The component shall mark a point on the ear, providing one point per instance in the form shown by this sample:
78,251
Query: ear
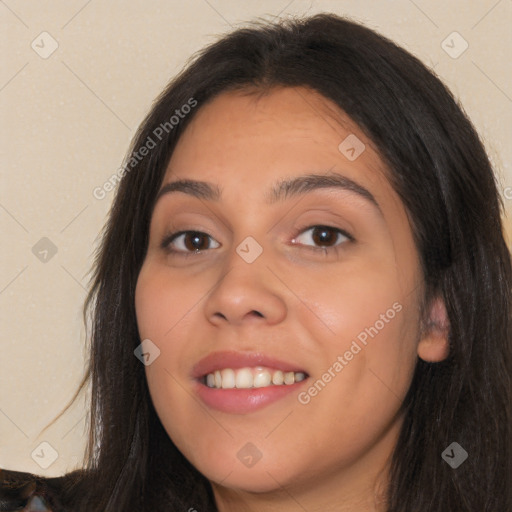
434,345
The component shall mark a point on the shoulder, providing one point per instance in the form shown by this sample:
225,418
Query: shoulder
27,492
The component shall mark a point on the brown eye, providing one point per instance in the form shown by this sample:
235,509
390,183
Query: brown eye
188,241
323,237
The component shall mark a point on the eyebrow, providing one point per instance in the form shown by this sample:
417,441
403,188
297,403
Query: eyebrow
281,191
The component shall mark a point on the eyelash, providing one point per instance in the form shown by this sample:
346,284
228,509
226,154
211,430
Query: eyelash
168,239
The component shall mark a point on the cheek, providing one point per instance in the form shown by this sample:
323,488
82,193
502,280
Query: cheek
368,369
342,302
164,310
368,316
161,302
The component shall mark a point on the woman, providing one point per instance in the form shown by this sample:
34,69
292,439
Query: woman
302,296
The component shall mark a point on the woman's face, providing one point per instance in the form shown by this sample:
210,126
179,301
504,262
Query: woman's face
306,268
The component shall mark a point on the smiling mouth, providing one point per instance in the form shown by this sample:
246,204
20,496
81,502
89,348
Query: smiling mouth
251,378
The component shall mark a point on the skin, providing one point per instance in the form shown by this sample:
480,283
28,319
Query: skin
333,452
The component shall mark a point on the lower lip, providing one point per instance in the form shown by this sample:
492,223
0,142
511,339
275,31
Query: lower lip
242,401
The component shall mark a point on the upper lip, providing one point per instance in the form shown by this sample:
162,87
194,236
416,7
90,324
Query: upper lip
232,359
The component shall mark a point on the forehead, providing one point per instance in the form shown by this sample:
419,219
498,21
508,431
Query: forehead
291,112
254,136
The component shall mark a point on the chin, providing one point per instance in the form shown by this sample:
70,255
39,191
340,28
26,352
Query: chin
251,481
261,477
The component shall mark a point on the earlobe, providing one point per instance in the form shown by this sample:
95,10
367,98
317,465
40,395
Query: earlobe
434,345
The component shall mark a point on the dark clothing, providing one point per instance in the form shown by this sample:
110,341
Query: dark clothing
26,492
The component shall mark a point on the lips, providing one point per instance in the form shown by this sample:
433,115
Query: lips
244,398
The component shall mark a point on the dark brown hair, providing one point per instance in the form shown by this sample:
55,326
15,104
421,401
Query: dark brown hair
439,168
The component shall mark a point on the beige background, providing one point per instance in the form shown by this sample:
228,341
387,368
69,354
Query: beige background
67,120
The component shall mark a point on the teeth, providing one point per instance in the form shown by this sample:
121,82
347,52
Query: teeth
247,378
300,376
289,378
243,379
228,378
278,378
262,378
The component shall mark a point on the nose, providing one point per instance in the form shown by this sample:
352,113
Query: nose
246,293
